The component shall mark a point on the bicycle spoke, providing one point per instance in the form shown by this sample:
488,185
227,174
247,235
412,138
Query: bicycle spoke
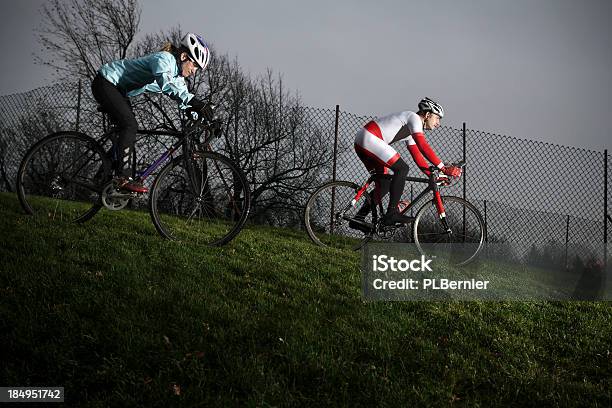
55,177
427,234
227,189
465,226
325,206
197,193
190,216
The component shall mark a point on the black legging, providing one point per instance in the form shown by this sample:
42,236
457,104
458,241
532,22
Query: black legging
400,172
395,185
118,106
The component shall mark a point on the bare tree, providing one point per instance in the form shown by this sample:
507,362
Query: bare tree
17,138
268,133
86,34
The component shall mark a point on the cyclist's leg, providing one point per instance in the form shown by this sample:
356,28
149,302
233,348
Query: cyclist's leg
378,157
400,172
381,186
116,104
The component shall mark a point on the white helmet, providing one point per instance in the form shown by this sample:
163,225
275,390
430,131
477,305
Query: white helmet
198,50
428,105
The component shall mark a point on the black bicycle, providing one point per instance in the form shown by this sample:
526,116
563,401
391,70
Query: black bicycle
199,195
445,225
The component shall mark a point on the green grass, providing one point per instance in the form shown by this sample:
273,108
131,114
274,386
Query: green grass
119,316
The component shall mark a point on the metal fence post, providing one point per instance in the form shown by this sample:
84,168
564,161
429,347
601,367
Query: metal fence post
333,198
566,240
336,142
464,179
606,216
411,200
464,159
78,109
485,221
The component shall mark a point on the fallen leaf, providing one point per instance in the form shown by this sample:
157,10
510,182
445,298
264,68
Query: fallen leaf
176,389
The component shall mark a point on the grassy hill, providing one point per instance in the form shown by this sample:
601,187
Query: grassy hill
120,317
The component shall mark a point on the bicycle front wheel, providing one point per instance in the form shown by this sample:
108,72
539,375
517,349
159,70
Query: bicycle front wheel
203,199
457,237
60,177
327,212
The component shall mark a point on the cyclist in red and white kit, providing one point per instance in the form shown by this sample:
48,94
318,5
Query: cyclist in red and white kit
373,146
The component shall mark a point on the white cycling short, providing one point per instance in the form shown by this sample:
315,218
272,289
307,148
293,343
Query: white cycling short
373,151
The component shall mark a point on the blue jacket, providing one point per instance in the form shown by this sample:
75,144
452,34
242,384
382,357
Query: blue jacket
158,72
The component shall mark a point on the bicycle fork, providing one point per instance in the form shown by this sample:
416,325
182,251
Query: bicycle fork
441,212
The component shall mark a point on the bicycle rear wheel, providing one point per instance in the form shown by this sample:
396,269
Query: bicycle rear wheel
60,177
204,199
326,212
456,238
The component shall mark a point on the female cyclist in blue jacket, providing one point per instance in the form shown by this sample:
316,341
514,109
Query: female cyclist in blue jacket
161,72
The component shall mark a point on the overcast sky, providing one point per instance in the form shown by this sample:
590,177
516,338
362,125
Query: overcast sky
532,69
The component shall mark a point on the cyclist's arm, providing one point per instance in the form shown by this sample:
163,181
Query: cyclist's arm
165,71
175,92
426,150
418,158
418,146
196,103
175,89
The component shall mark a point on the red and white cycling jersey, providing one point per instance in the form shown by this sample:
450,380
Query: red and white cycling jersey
372,142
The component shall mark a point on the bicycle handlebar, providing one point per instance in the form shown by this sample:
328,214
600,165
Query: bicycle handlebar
204,122
435,176
460,163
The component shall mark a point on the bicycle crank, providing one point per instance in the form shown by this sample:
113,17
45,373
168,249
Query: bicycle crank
385,231
115,199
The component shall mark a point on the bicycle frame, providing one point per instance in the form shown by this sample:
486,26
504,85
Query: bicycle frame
432,186
143,175
183,140
437,222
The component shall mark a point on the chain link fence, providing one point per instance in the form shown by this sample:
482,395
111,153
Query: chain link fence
530,193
